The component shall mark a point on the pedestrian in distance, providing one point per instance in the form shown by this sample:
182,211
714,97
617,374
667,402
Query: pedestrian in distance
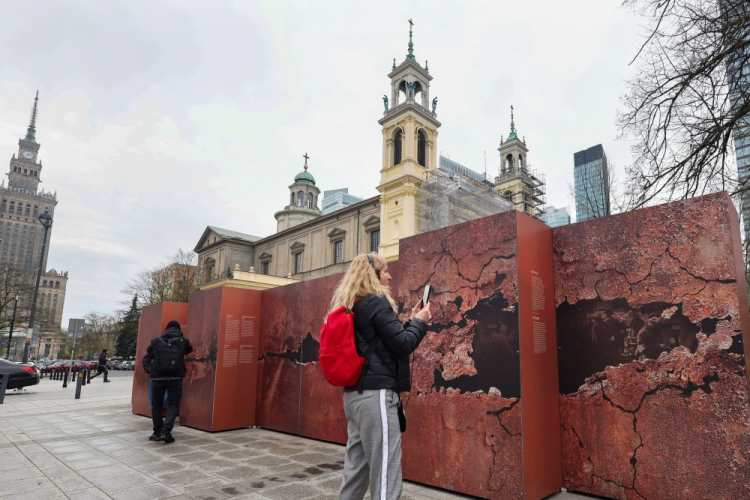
165,363
372,406
101,366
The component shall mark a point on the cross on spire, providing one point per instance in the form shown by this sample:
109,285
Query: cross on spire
410,55
306,158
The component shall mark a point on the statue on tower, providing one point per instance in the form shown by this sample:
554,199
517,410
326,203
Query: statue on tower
410,88
385,102
434,105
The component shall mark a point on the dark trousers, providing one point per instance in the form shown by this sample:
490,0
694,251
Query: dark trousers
99,370
173,388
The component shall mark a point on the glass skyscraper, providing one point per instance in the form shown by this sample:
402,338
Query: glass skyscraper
591,175
556,217
738,77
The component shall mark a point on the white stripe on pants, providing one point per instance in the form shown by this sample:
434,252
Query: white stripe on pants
373,451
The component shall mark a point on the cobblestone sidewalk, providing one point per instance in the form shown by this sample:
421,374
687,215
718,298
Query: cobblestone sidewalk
55,447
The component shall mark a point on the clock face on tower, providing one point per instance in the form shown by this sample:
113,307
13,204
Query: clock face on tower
28,155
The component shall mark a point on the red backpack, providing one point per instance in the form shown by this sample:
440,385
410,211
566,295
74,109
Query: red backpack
339,361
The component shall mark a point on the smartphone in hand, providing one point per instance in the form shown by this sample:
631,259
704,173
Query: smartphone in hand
425,295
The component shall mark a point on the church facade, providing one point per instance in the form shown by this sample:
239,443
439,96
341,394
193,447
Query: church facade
309,244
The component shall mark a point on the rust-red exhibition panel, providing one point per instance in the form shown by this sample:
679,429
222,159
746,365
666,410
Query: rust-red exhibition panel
472,372
542,460
220,385
651,308
153,322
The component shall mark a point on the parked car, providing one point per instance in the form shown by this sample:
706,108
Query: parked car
127,365
51,367
21,375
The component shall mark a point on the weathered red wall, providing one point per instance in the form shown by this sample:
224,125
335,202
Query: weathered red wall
677,426
153,322
293,395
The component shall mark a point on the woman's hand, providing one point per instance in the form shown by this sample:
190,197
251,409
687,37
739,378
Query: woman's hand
424,313
415,310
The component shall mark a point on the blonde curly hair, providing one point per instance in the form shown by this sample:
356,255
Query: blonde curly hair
361,280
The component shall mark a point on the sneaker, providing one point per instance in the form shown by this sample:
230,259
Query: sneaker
155,437
167,437
107,381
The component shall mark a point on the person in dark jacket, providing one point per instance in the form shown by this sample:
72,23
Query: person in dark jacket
101,366
373,449
165,363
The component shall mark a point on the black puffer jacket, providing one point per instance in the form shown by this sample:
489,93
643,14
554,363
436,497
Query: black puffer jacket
151,365
375,324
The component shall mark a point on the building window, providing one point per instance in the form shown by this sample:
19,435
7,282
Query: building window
309,200
421,148
297,262
266,268
291,200
338,252
374,240
397,140
300,199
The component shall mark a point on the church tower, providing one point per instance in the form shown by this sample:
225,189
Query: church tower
409,149
303,201
516,181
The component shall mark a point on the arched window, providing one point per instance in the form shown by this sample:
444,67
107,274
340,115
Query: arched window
397,140
300,199
508,195
421,148
291,200
520,161
309,200
509,162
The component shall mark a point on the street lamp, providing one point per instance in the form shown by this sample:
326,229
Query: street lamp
46,220
12,322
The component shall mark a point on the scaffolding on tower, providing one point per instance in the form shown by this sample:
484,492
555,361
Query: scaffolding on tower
449,197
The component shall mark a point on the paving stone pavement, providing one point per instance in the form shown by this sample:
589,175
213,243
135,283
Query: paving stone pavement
53,446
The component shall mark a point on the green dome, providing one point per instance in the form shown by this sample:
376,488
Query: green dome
305,176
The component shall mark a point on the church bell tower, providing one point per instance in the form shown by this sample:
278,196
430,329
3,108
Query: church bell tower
409,149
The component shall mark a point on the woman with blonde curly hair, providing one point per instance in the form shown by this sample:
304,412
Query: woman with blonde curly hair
373,450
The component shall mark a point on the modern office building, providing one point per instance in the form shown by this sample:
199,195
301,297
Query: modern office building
555,217
738,76
591,175
336,199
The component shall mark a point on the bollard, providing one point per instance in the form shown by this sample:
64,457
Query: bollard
89,376
83,377
65,379
4,386
79,383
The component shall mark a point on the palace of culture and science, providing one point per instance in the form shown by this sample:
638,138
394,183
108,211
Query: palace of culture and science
21,233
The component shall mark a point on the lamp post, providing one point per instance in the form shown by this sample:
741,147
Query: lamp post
12,322
46,220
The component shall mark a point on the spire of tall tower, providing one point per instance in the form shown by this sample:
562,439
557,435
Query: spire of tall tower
410,55
31,131
512,125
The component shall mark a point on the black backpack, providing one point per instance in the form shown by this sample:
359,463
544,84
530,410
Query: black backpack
168,356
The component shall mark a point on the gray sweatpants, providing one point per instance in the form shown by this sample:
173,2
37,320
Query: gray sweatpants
373,452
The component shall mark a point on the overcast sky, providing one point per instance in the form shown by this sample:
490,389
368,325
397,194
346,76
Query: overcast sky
158,118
